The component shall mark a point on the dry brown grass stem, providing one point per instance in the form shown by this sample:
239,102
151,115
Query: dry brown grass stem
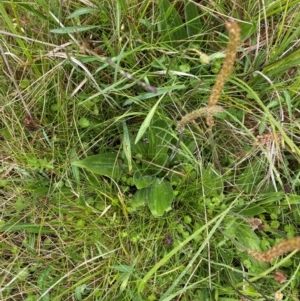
279,249
212,108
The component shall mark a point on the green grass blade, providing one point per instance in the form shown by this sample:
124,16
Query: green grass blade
146,123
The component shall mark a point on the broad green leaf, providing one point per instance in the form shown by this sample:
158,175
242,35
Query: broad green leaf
73,29
160,159
126,271
252,210
159,141
247,239
192,18
291,199
243,233
159,197
248,29
170,26
142,181
124,281
127,147
105,164
44,277
140,149
20,204
75,169
139,198
32,228
83,11
80,291
159,138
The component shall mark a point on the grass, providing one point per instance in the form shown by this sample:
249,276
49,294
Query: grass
83,80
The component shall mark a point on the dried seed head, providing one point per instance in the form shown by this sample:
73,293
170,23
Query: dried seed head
267,139
168,240
30,124
280,277
255,223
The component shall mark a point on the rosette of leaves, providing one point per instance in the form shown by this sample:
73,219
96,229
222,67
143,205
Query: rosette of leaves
146,167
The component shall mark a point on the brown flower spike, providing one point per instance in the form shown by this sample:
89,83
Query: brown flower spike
234,40
212,108
279,249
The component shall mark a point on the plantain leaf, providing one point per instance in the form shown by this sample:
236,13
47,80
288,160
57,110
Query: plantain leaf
192,18
73,29
83,11
127,147
139,198
159,197
31,228
105,164
142,181
170,26
160,138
